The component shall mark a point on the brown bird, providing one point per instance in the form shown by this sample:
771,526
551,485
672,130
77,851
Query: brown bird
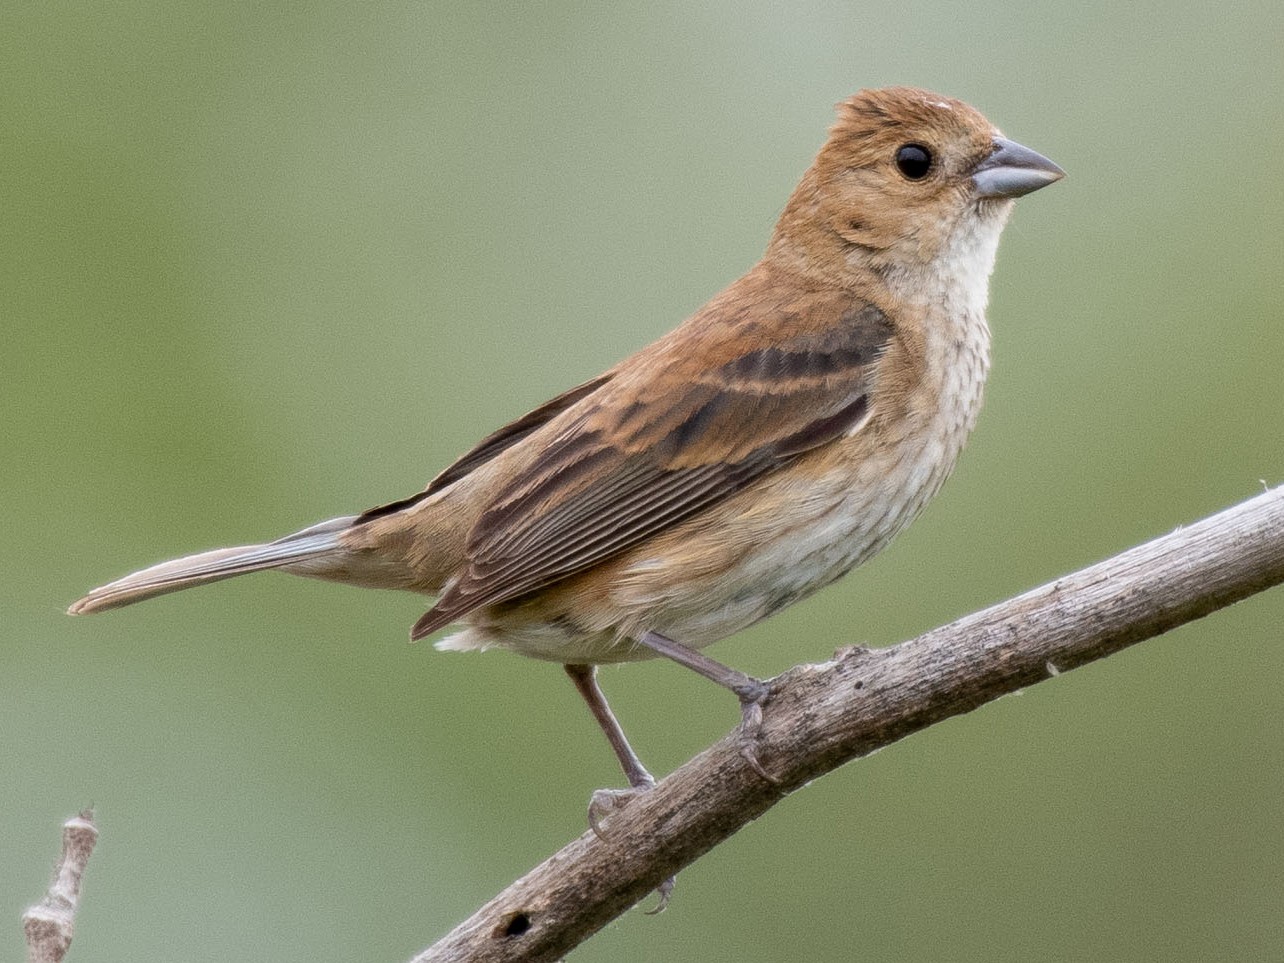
780,436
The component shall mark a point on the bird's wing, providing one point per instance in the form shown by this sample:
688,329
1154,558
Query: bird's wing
654,448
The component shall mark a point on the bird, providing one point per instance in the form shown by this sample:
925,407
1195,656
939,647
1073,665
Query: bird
776,439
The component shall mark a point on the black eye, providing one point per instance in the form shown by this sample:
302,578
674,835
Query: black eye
914,161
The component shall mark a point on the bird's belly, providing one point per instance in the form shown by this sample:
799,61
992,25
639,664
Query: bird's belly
831,525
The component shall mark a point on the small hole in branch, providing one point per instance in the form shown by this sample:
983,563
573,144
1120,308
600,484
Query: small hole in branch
516,925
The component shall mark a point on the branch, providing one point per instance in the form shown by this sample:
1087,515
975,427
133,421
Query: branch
50,924
821,716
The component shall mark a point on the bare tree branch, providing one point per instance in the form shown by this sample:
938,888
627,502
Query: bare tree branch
821,716
51,923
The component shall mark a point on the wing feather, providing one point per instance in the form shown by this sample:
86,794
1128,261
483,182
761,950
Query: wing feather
628,463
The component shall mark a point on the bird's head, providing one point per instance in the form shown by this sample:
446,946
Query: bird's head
908,180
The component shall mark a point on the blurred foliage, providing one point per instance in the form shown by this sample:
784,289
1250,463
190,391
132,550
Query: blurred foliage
267,263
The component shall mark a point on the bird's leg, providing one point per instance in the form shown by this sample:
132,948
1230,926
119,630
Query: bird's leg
751,692
604,801
585,679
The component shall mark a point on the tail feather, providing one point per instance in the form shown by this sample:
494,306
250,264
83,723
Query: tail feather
303,549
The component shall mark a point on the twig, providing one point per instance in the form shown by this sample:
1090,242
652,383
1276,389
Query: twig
821,716
51,923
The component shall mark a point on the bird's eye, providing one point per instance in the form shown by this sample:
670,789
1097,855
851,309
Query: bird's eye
914,161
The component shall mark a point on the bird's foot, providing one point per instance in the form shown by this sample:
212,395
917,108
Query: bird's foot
752,693
602,804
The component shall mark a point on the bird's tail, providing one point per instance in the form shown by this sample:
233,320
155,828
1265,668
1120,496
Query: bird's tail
313,551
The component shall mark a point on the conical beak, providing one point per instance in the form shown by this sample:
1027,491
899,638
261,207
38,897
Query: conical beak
1012,170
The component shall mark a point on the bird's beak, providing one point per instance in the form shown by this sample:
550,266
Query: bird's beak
1012,170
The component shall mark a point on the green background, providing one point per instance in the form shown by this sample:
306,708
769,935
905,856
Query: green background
268,263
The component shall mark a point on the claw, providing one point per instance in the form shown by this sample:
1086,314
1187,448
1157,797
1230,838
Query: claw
664,891
751,700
